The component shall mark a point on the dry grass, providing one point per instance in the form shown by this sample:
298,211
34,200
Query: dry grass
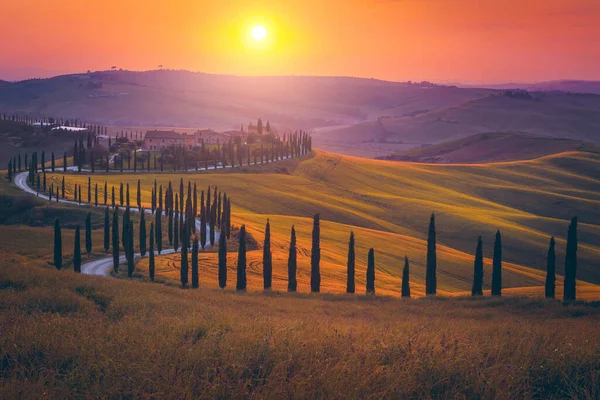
67,336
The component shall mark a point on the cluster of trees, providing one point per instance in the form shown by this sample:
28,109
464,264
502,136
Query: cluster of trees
180,210
55,121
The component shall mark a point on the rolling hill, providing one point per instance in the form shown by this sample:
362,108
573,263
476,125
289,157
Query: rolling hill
491,147
388,204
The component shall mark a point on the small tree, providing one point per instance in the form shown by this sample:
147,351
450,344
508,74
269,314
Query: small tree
106,231
115,239
184,264
405,279
151,256
350,286
570,293
315,259
371,272
497,266
57,245
241,263
431,272
222,260
195,263
267,259
139,195
142,232
292,263
551,271
88,234
77,252
477,289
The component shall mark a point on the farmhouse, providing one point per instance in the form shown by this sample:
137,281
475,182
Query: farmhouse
157,140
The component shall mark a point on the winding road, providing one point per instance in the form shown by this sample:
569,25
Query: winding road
102,266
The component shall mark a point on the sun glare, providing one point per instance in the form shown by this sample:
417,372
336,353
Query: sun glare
259,33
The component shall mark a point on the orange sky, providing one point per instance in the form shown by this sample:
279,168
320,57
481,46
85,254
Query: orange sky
474,41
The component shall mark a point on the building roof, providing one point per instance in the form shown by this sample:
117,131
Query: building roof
162,135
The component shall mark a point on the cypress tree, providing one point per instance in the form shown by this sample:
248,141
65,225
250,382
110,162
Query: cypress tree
213,214
57,245
88,234
129,251
222,261
89,191
551,271
63,187
139,196
267,259
371,272
497,266
142,232
96,195
184,264
195,207
350,285
113,197
65,161
315,257
158,225
121,194
170,227
195,263
10,169
203,228
52,164
43,163
106,231
105,192
151,255
570,293
405,279
241,263
77,252
477,289
292,262
176,233
431,273
125,228
127,195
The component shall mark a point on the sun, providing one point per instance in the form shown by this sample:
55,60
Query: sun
259,33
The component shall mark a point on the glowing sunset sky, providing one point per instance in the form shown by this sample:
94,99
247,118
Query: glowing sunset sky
475,41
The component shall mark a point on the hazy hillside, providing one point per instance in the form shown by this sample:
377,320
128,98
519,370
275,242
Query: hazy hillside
573,86
557,115
180,98
490,147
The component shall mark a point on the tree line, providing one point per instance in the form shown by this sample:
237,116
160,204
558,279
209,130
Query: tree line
186,238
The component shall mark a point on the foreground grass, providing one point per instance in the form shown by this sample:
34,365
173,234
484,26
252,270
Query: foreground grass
66,335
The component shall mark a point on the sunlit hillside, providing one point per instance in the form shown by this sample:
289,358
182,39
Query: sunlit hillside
387,205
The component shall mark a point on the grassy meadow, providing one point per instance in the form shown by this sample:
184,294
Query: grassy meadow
387,205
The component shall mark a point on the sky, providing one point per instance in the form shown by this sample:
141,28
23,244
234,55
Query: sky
458,41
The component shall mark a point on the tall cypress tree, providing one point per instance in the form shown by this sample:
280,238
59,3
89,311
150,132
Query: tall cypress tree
292,263
431,273
151,255
77,252
267,259
195,263
65,161
170,226
127,195
129,251
551,271
115,239
139,195
497,266
176,232
241,263
96,195
124,234
88,234
184,263
158,227
121,194
405,279
350,285
52,164
222,261
113,197
203,227
58,259
315,257
105,192
371,272
89,191
477,289
63,187
570,293
142,232
106,231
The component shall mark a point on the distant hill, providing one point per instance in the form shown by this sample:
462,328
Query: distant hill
181,98
491,147
556,115
572,86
